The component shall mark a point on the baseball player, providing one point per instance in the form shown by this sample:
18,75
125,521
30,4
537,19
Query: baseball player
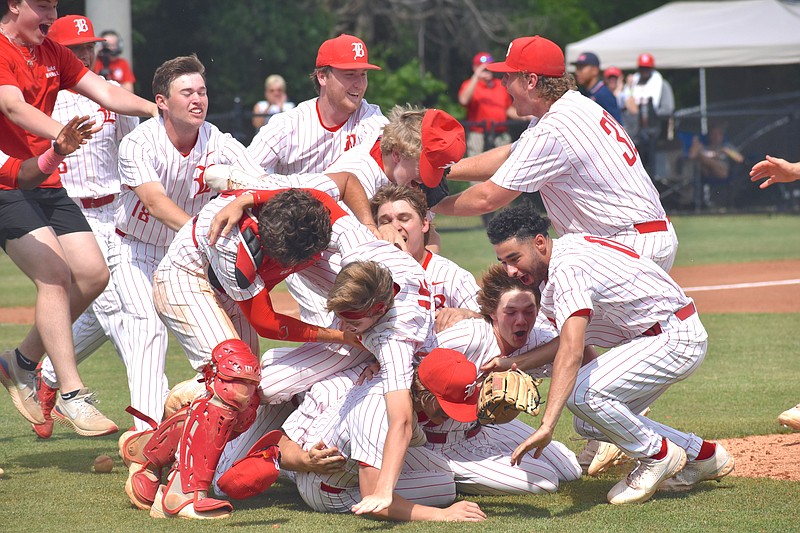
161,164
91,179
308,138
601,292
357,427
43,231
573,153
480,456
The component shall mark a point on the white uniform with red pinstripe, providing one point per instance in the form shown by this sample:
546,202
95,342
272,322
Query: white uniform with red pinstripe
651,326
147,155
357,425
480,456
296,142
590,177
91,178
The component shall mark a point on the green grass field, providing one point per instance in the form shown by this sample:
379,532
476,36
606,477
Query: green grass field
748,377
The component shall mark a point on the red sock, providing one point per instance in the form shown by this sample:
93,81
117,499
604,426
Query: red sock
663,452
706,451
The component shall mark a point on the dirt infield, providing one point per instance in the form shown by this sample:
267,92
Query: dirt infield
757,289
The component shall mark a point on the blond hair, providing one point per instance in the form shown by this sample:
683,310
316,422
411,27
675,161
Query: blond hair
359,286
403,133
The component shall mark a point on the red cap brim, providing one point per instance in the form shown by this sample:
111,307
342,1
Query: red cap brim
462,412
501,66
354,66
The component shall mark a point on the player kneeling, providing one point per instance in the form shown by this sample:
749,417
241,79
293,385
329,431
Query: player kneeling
196,435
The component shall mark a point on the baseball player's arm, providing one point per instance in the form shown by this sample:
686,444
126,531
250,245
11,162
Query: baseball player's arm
161,206
480,167
35,170
406,511
400,413
541,355
113,97
479,199
565,371
777,170
320,459
24,115
353,195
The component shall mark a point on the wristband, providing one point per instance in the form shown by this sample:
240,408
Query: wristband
48,162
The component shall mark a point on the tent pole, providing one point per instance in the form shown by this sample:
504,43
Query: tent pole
703,102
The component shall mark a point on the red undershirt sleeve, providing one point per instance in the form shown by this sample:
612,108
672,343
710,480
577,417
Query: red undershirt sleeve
272,325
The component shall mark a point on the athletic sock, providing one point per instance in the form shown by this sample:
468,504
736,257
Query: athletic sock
707,450
24,362
663,453
70,395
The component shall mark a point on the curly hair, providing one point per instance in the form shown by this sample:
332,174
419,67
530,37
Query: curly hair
293,226
359,286
403,133
520,222
552,89
173,69
495,282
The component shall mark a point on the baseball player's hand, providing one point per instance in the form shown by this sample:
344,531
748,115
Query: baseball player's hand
325,460
449,316
351,339
75,133
373,503
538,441
498,364
387,232
777,170
228,217
368,373
463,511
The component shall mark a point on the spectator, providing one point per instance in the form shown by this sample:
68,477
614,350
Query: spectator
110,64
715,154
276,100
613,78
587,74
488,106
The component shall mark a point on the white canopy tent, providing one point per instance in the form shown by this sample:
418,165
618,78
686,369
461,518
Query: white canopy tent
736,33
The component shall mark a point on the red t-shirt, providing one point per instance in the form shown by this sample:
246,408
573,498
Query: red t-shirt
9,170
487,104
55,68
120,70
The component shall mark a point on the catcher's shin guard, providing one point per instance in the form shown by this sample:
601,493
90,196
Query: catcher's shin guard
158,452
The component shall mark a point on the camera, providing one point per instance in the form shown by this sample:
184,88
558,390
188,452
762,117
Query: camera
105,55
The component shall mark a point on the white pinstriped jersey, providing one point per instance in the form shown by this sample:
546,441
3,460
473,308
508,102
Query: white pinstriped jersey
451,285
625,293
296,142
586,168
92,170
360,163
190,250
147,155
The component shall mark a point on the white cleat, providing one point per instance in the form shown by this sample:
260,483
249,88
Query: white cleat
715,467
646,477
791,417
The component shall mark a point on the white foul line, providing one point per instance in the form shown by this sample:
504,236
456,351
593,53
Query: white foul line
742,285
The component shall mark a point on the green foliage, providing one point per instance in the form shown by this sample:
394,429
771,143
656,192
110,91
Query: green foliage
406,85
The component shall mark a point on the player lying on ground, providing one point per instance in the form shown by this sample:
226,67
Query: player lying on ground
601,292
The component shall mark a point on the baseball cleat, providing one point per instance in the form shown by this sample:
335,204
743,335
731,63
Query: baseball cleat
646,477
791,417
607,455
141,486
21,385
80,414
226,177
715,467
47,400
586,455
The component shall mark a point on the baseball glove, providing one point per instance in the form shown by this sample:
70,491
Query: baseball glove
506,394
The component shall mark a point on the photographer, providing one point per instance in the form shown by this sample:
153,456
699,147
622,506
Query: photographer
110,64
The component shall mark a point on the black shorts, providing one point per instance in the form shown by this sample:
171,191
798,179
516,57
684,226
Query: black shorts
21,212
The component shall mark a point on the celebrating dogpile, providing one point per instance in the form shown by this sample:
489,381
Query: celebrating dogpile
399,390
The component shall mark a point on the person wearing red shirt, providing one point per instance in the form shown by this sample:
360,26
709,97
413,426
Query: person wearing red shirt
110,64
42,230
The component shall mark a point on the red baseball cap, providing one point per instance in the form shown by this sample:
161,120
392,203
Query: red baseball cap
611,72
482,57
346,52
443,143
452,378
532,54
70,30
646,61
256,472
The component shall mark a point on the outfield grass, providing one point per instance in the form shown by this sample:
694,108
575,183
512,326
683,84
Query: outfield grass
748,377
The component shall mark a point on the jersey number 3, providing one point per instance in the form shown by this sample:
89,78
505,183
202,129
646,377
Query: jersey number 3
611,127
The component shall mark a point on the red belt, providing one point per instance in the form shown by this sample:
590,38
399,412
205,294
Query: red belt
324,487
441,438
651,227
682,314
89,203
120,233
